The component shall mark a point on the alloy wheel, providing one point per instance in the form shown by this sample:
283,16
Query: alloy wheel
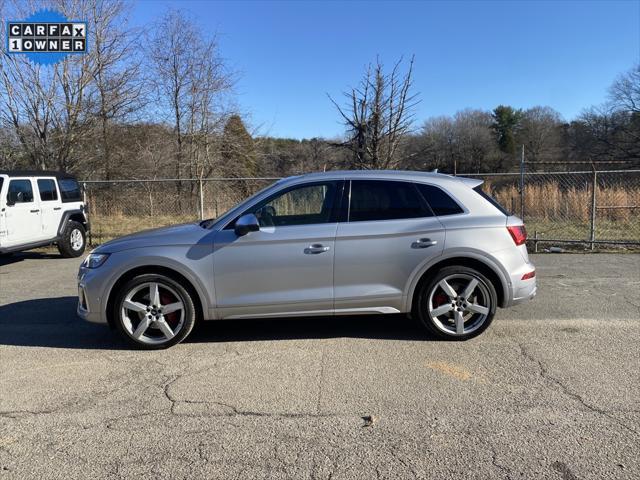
153,313
459,304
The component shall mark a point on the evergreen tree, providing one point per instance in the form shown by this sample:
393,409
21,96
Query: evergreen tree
506,121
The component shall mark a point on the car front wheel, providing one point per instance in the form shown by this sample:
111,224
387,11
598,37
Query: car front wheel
458,303
154,311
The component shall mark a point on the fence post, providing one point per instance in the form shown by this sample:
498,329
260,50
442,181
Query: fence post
86,209
201,199
594,186
522,184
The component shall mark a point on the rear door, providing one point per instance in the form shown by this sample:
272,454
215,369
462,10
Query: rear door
50,206
22,213
390,231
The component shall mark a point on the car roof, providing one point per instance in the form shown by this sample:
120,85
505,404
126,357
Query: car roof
407,175
36,173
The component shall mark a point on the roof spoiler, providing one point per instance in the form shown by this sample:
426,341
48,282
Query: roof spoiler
470,182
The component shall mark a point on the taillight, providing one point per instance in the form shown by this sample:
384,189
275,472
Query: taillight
529,275
518,233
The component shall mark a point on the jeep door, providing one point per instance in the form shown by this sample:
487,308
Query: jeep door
22,213
50,206
286,267
389,233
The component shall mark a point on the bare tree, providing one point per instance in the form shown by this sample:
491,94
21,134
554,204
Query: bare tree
116,72
540,133
190,83
378,115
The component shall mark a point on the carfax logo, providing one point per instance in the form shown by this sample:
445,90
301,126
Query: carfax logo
46,37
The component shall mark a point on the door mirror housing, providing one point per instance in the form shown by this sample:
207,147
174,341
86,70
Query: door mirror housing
12,198
245,224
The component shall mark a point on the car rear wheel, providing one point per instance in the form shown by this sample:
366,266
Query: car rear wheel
73,241
458,303
154,311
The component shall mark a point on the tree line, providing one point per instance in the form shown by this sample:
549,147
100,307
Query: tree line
140,105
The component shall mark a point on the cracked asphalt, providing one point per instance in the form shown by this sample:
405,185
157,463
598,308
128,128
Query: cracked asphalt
551,390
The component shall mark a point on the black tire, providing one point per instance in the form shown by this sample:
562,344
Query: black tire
169,287
441,325
66,246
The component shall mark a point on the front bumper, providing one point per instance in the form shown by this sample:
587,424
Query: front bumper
90,297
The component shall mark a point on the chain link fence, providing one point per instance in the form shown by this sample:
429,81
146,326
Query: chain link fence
585,207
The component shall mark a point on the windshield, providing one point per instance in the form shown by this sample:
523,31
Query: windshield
211,222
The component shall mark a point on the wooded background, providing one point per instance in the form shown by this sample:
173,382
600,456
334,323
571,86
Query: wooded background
123,111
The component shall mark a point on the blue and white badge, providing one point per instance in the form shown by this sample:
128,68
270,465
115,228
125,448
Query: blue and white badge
46,37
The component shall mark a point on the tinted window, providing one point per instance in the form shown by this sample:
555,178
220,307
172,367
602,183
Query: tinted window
383,200
491,200
69,190
303,205
439,201
20,191
47,189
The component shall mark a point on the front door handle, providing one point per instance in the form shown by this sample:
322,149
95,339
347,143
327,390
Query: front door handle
315,249
424,243
34,211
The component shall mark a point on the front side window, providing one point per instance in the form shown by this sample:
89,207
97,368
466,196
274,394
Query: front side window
70,190
439,201
301,205
47,189
373,200
20,191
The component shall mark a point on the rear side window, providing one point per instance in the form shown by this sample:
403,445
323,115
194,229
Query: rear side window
439,201
491,200
47,189
20,191
69,190
373,200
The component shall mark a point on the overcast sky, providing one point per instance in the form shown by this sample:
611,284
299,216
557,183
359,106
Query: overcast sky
290,55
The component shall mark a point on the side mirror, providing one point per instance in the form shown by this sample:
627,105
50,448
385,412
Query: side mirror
245,224
12,197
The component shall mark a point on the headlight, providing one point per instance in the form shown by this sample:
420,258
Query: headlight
94,260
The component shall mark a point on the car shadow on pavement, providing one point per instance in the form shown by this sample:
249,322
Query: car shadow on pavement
384,327
8,259
52,322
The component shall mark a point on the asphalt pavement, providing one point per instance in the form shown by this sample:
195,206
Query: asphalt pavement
551,390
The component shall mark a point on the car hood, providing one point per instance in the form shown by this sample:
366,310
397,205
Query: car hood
185,234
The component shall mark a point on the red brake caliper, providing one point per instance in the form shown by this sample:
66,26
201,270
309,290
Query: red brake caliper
173,317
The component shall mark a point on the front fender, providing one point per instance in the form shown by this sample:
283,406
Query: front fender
199,272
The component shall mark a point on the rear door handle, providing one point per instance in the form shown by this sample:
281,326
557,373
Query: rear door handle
57,208
424,243
315,249
34,211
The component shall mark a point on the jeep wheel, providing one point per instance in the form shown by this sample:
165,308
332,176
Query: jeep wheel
73,240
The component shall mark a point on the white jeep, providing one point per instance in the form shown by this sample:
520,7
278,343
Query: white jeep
39,208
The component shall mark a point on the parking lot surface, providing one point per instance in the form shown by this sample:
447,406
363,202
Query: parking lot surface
551,390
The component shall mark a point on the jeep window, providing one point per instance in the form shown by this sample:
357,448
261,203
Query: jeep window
69,190
20,191
491,200
47,189
438,200
374,200
1,180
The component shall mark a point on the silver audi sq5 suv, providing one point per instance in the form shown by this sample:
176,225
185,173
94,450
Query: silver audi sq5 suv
335,243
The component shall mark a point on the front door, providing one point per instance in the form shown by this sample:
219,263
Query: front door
285,268
390,232
22,214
